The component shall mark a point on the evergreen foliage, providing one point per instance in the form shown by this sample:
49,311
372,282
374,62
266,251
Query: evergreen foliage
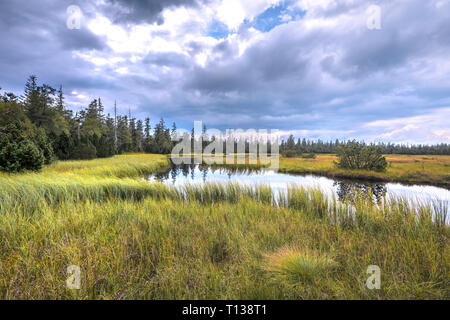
17,152
43,127
354,155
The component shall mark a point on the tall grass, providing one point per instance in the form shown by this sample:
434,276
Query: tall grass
135,239
94,180
129,165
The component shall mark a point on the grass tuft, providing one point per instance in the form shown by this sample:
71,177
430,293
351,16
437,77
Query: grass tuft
299,264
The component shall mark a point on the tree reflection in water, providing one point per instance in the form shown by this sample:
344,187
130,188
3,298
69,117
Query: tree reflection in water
344,190
189,170
349,190
280,182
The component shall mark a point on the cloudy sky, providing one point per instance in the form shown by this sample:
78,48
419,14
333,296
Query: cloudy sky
312,68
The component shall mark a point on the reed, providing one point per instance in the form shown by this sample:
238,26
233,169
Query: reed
138,240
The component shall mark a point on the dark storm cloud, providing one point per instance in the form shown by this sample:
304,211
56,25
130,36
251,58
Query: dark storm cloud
290,71
408,32
142,11
36,40
259,67
331,79
79,39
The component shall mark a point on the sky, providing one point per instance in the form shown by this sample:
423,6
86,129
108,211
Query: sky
374,70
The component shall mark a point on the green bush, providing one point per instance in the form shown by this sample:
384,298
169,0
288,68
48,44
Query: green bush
17,153
358,156
294,153
290,154
31,157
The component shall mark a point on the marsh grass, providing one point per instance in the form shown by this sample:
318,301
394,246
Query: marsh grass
401,168
139,240
299,265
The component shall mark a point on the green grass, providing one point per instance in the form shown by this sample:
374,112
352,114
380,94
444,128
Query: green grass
401,168
299,265
139,240
128,165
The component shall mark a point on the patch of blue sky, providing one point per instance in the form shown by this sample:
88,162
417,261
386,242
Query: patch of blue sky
275,16
266,21
218,30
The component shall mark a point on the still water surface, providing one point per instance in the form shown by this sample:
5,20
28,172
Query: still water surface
195,174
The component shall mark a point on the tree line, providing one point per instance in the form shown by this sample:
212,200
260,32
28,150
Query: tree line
303,146
37,128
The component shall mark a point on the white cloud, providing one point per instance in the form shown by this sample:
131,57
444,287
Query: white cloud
234,12
322,75
430,128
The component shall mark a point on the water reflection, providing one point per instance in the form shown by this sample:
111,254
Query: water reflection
178,175
206,171
347,190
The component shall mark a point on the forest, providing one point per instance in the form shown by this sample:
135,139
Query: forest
331,147
38,127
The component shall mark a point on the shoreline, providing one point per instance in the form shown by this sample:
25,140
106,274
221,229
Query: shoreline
369,178
404,169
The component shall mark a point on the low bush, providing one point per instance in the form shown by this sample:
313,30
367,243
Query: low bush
18,153
358,156
290,154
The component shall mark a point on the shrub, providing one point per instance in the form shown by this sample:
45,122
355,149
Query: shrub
31,157
290,154
308,155
18,154
357,156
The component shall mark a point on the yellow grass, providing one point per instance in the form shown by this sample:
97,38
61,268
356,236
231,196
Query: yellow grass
138,240
401,168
